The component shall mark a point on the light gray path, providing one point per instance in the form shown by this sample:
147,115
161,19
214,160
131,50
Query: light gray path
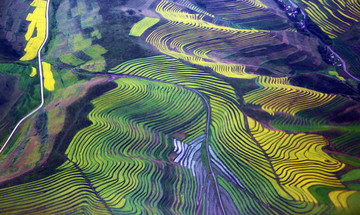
40,76
327,46
208,112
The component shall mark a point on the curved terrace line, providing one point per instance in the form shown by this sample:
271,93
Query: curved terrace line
208,112
91,186
207,145
40,77
327,46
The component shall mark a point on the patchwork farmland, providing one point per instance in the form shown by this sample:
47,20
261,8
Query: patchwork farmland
179,107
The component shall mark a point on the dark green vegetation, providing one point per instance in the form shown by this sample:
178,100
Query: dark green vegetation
7,53
347,45
118,24
75,120
19,95
314,28
242,15
323,83
13,27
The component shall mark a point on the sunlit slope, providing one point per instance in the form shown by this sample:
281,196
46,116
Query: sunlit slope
65,192
234,148
300,109
277,95
133,131
120,161
36,27
219,103
298,160
310,118
231,52
139,28
146,136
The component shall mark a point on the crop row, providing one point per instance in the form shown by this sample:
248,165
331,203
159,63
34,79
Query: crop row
333,17
277,95
246,14
191,6
191,38
237,10
120,158
236,150
140,27
298,160
63,193
347,142
130,127
127,160
316,118
228,134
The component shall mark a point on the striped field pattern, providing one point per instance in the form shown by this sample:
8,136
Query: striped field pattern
149,145
248,13
206,121
240,153
111,163
277,95
311,119
333,17
295,168
191,38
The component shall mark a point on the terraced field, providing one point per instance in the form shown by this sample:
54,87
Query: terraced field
250,13
206,40
212,107
333,17
339,20
276,94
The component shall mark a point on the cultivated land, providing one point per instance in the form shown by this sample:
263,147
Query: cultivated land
179,107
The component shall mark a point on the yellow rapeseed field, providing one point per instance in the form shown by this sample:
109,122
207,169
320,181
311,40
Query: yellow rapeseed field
38,21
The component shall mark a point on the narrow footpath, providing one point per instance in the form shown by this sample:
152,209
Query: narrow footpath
40,77
327,46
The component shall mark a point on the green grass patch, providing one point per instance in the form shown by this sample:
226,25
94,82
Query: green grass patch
351,176
321,193
79,43
71,59
140,27
95,51
68,77
96,33
349,160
